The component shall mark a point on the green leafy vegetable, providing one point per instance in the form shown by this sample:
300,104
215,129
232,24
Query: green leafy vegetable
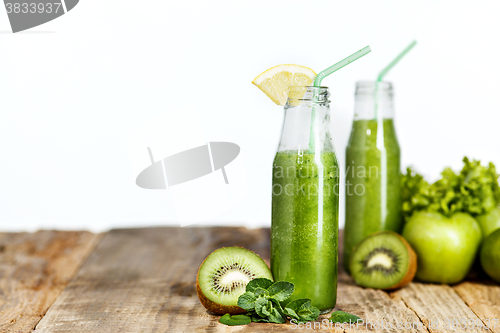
261,292
474,190
262,303
480,187
269,309
414,193
257,319
258,283
302,310
247,300
281,290
235,320
263,307
262,298
343,317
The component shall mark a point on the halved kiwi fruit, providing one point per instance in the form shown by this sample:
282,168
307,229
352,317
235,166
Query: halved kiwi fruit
223,277
383,260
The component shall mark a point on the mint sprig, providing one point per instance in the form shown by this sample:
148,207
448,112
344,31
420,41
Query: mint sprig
301,310
269,310
262,299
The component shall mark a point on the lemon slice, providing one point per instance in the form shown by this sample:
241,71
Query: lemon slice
277,80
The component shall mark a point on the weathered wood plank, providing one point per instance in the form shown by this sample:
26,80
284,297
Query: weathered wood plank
483,299
379,310
438,306
34,269
143,280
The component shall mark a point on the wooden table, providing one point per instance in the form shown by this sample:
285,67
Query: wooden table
143,280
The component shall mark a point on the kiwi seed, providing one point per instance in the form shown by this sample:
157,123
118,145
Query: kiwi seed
223,277
369,268
383,260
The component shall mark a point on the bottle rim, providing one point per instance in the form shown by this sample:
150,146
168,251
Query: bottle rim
368,88
311,94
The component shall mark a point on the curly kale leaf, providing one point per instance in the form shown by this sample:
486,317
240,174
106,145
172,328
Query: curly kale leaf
474,190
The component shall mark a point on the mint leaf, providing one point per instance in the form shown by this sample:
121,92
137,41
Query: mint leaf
281,290
260,307
257,319
302,310
235,320
291,313
258,283
259,292
343,317
296,304
246,301
270,309
308,314
276,317
251,312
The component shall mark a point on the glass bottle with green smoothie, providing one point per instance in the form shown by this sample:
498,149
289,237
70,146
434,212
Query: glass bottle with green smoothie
305,201
373,199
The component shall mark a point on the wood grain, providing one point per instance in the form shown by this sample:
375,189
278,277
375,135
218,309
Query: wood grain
483,299
437,306
379,310
34,269
143,280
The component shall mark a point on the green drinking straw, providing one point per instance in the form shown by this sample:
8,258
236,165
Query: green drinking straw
317,83
340,64
395,61
380,129
384,72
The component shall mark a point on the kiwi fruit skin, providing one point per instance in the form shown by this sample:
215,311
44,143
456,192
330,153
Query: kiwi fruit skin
412,266
215,307
411,269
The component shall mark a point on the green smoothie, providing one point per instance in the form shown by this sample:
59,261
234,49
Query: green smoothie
373,199
304,232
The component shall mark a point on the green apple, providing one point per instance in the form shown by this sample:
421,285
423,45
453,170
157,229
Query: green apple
490,255
445,247
489,222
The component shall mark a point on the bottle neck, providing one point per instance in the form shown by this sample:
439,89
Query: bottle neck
306,123
372,98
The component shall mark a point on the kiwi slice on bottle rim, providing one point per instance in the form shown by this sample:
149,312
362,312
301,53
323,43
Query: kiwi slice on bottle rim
383,260
224,275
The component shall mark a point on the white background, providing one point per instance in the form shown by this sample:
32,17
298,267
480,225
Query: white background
72,90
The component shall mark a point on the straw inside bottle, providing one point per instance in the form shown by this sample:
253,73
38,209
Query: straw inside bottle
378,117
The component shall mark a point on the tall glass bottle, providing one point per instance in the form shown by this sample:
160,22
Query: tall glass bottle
373,199
305,201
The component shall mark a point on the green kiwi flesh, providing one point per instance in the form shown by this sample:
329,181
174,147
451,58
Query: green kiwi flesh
223,277
383,260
